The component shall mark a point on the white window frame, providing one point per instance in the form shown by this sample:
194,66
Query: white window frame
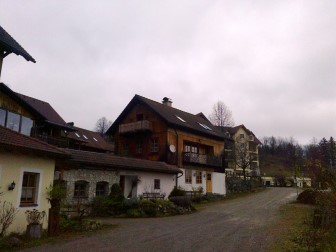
39,190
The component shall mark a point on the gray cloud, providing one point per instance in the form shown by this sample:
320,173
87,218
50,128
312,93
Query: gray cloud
271,62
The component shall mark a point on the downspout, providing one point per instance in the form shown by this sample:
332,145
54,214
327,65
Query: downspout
178,177
177,153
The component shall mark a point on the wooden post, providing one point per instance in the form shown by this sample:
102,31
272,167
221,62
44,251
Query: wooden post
2,53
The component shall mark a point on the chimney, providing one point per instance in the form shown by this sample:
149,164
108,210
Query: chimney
166,101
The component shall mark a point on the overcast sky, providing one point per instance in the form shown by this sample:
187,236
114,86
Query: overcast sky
272,62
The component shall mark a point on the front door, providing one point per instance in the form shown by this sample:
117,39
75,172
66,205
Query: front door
209,183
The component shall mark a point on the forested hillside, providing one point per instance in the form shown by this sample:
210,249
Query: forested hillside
285,157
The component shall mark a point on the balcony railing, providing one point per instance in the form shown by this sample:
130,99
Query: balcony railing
135,126
56,141
200,159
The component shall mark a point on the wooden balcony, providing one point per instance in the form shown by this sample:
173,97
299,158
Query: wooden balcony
135,127
56,141
199,159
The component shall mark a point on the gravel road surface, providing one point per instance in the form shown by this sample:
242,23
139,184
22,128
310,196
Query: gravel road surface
242,224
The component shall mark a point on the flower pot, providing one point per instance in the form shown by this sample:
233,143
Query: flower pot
34,231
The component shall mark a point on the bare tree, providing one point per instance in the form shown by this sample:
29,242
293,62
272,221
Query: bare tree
221,115
243,156
102,125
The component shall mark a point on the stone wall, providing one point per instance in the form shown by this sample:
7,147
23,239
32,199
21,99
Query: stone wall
92,177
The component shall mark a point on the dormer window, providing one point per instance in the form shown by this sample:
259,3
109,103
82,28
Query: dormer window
180,118
205,126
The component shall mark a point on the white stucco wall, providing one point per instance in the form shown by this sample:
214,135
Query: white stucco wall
193,186
12,168
146,183
218,183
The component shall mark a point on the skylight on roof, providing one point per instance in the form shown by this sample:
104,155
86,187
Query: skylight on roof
85,137
205,126
77,134
181,119
95,139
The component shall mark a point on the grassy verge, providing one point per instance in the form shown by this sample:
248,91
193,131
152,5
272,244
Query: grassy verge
295,232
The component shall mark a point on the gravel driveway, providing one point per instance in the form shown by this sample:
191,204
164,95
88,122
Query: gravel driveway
242,224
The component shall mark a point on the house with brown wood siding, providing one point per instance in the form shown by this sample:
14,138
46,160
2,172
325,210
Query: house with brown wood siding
150,130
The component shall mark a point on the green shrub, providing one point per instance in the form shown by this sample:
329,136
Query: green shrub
70,225
132,203
325,211
101,206
182,201
149,208
134,213
116,193
177,191
308,196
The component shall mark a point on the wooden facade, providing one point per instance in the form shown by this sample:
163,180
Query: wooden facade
141,128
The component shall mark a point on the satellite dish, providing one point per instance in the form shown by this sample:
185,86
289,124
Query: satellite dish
172,148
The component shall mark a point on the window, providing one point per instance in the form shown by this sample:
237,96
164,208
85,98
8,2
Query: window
180,118
251,138
29,188
198,177
190,148
85,137
16,122
81,189
154,145
95,139
13,121
2,117
26,125
205,126
138,148
242,145
242,136
188,177
101,188
77,134
156,184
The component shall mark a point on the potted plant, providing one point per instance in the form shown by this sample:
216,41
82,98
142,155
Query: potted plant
34,219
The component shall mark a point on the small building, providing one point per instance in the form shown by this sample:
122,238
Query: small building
89,174
26,169
268,181
303,182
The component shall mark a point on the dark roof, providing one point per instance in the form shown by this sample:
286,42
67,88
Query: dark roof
111,161
37,107
43,108
13,140
9,44
173,117
233,130
100,143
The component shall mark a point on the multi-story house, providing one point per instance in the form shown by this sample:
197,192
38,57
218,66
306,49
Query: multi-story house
241,151
150,130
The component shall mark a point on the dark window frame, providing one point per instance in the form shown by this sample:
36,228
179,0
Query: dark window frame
81,189
157,184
